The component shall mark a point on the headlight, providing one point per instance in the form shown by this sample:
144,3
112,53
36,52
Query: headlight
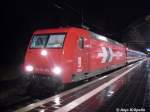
44,53
29,68
57,70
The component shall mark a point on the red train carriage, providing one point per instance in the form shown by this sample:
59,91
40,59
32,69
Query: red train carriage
72,54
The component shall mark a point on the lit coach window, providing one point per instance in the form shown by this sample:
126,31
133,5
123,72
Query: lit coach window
81,43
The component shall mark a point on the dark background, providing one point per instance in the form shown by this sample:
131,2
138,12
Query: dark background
20,18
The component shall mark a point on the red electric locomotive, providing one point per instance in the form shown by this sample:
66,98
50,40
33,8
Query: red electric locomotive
71,54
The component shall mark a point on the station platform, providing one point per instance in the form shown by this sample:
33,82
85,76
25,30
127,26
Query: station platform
124,90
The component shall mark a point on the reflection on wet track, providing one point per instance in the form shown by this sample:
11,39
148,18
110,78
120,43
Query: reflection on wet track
125,88
134,95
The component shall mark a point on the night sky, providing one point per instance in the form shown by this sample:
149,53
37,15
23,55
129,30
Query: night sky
20,18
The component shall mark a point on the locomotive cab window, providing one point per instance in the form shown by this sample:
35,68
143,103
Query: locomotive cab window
48,41
55,41
81,43
38,41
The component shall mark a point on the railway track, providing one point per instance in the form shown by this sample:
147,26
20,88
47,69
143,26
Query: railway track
24,99
73,94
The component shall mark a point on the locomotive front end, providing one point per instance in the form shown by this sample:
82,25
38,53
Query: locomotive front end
44,58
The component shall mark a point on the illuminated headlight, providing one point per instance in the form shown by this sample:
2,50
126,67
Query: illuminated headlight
44,53
57,70
29,68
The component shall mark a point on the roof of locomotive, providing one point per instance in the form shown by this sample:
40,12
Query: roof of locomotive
57,30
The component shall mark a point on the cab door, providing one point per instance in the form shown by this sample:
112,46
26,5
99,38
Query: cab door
82,55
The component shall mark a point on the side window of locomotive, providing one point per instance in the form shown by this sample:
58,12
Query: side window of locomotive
81,43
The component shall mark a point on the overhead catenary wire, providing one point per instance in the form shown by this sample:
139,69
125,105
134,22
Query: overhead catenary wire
61,5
